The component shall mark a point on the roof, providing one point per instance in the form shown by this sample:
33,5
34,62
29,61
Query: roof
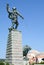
32,53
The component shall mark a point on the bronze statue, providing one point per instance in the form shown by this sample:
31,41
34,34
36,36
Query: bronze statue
13,15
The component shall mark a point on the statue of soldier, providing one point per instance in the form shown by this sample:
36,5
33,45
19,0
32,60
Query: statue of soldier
13,15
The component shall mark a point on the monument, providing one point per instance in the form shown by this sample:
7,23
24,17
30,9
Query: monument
14,52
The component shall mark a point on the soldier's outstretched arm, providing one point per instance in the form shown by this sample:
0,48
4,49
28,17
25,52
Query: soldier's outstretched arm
8,8
20,15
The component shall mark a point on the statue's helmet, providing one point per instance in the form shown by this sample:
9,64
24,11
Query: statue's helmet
14,8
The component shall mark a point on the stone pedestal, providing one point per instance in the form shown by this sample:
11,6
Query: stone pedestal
14,54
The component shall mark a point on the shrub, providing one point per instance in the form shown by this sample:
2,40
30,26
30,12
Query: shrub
1,63
7,63
41,62
32,63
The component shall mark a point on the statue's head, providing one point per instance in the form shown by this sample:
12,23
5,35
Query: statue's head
14,8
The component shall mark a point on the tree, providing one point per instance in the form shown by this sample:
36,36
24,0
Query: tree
7,63
1,63
26,49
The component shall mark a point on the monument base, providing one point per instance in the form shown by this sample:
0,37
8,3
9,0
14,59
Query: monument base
14,54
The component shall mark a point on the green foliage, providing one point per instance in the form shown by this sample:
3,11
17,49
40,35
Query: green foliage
26,49
41,62
2,63
38,63
7,63
32,63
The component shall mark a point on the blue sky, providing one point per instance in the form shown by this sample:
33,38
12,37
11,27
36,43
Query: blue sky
32,26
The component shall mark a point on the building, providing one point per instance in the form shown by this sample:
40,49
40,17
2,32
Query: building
32,56
32,53
40,56
35,56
